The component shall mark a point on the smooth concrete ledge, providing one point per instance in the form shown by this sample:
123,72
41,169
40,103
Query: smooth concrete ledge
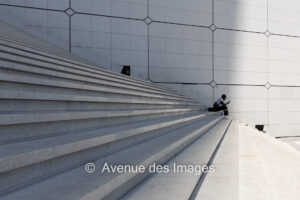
113,186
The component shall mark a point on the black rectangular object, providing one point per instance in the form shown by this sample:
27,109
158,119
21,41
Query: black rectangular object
260,127
126,70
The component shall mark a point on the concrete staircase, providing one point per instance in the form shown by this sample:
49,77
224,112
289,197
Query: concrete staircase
59,112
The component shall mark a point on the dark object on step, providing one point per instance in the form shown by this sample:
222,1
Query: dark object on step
126,70
260,127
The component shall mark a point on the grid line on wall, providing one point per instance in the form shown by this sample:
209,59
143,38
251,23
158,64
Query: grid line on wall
31,7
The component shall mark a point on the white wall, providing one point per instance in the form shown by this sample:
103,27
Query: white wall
200,48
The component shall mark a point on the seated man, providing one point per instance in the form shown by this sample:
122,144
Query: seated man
220,105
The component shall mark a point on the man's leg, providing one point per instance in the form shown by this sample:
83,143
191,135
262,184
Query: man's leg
216,107
225,110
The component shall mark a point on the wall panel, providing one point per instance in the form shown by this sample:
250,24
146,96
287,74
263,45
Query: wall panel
180,53
111,42
240,58
47,25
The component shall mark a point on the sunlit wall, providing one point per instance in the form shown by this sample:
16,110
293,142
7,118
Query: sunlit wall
248,49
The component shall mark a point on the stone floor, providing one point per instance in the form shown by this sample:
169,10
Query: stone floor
268,168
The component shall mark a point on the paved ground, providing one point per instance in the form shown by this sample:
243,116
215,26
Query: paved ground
269,167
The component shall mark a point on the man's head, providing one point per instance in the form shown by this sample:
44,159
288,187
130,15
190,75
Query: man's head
224,96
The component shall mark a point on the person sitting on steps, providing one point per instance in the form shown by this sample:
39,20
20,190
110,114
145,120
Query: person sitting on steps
219,105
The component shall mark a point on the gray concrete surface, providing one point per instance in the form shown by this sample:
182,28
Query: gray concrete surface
180,184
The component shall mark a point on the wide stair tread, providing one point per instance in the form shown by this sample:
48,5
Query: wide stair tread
15,117
77,184
62,81
80,140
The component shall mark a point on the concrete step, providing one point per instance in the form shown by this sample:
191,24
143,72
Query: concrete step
21,61
62,81
76,148
78,65
113,185
24,105
26,131
105,135
41,46
75,60
223,184
20,68
52,63
179,185
17,92
8,118
14,34
28,48
51,51
59,112
28,40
